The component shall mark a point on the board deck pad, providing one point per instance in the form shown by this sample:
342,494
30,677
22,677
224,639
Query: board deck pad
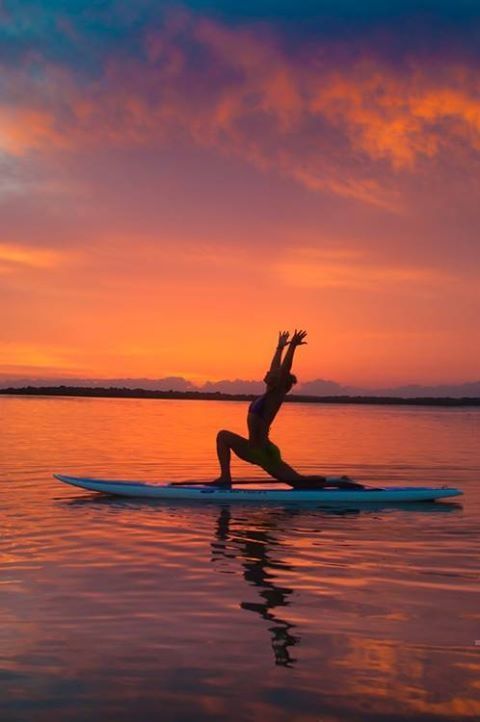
210,493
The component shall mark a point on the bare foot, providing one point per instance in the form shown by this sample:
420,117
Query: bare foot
220,482
346,483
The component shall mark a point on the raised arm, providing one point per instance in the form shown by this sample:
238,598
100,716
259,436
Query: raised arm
297,340
277,357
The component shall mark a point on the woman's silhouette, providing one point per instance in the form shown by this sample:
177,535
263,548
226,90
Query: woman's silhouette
258,449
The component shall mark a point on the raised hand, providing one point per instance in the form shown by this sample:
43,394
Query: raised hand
297,338
283,339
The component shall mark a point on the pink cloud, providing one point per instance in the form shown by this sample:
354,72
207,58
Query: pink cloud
327,125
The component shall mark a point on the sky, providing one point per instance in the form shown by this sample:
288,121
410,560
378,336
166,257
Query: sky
178,182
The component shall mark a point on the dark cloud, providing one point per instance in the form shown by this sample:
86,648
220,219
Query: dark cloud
83,34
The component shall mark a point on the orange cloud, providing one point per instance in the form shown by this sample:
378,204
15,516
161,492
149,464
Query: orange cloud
353,270
401,117
13,256
29,357
22,129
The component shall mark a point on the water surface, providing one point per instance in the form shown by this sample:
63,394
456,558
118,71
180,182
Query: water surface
135,610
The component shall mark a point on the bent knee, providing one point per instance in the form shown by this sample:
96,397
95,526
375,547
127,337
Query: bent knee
224,435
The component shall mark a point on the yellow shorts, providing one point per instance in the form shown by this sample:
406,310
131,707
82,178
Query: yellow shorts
265,456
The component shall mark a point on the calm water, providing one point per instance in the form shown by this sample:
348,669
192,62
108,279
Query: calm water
130,610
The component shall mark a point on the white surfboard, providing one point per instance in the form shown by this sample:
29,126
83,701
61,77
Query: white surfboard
209,493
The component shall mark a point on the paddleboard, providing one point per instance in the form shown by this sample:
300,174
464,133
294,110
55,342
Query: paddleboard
209,493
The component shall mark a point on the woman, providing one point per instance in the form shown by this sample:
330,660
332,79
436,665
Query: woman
258,449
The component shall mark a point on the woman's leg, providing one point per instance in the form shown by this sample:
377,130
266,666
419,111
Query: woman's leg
227,442
285,473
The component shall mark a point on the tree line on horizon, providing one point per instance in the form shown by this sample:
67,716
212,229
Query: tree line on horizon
317,387
116,392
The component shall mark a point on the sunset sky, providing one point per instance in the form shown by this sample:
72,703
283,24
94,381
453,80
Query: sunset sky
180,181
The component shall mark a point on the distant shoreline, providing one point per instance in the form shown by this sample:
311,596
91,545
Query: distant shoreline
112,392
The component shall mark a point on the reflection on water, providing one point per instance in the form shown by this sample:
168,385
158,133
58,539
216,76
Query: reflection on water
116,609
255,548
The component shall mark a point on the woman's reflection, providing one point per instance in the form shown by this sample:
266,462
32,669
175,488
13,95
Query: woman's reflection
254,546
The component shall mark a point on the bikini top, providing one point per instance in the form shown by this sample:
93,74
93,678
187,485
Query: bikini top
257,406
